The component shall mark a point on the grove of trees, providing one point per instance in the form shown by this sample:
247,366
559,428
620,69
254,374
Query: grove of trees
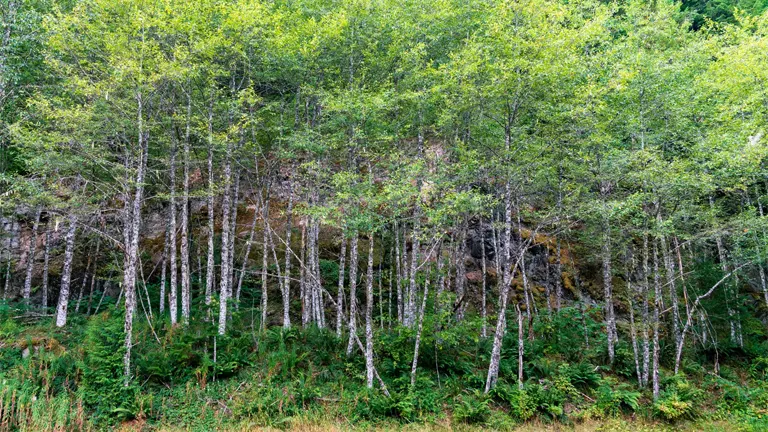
391,170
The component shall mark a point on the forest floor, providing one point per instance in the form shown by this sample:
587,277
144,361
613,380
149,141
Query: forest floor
609,425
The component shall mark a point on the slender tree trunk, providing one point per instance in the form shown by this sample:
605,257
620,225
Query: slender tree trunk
46,261
264,265
656,307
132,249
369,315
419,329
411,307
31,257
352,326
66,272
399,276
287,273
558,277
340,292
184,213
209,273
303,297
225,233
173,302
520,346
233,233
483,307
610,320
646,319
163,265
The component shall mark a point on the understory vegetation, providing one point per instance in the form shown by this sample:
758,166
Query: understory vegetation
195,380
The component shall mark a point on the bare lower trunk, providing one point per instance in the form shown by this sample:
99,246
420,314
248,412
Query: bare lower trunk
340,292
646,317
461,271
264,266
399,276
411,306
46,261
209,273
520,347
184,213
163,265
656,311
66,272
31,257
173,302
369,315
225,233
352,325
133,219
287,275
483,308
419,329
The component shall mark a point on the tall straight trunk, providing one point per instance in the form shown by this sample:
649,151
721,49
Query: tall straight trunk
303,297
46,261
173,302
656,310
209,273
419,329
646,318
225,233
610,320
520,346
369,315
31,256
93,280
526,286
340,292
264,264
411,307
632,328
287,274
130,259
483,307
399,283
184,213
352,325
558,276
233,234
66,272
761,251
389,298
163,266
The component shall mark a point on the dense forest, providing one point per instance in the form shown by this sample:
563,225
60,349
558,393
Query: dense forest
229,214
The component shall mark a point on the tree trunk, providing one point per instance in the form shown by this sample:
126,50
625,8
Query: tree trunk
340,292
419,329
369,315
287,273
264,265
132,249
656,308
209,273
184,213
352,326
66,272
31,257
225,233
483,308
399,283
173,302
163,265
247,253
46,261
